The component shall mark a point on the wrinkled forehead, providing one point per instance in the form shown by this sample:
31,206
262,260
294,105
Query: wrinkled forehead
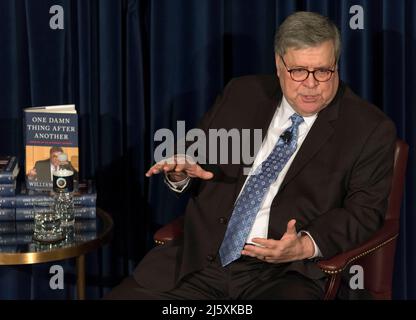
322,54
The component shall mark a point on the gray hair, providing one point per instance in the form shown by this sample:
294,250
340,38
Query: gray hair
306,29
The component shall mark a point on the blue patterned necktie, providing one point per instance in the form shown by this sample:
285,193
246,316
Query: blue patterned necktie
254,191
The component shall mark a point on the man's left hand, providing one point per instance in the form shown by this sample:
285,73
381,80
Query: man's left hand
290,247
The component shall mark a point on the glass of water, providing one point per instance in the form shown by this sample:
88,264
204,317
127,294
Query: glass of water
47,224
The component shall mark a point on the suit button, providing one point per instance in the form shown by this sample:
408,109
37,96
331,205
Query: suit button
223,220
210,257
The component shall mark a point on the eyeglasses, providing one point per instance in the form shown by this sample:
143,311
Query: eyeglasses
301,74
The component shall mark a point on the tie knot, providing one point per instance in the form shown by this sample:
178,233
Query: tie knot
296,119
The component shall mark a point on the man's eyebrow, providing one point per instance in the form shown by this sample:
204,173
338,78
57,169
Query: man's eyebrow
308,68
299,67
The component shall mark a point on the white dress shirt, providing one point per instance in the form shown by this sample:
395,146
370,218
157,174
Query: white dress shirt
52,170
280,122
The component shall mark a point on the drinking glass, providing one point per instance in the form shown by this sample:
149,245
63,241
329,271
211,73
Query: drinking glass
47,223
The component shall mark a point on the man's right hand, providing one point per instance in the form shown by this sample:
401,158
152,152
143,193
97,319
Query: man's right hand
32,173
179,168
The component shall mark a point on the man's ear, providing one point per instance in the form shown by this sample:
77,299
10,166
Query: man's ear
277,63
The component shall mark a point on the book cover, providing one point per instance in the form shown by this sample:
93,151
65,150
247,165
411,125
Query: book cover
9,169
49,131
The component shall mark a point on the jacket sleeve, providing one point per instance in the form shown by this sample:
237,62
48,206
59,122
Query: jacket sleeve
204,124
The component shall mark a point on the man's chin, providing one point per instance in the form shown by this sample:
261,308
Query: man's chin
309,108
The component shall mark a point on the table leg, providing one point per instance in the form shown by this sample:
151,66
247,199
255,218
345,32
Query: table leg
80,262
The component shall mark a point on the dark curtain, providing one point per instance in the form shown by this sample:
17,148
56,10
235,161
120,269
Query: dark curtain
134,66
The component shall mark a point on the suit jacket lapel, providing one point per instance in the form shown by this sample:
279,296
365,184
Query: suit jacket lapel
266,110
318,135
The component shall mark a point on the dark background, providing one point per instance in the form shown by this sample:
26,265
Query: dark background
134,66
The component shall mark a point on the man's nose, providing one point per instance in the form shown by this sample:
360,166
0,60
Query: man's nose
310,81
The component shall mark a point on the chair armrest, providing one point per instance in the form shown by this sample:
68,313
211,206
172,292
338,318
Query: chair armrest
386,234
169,232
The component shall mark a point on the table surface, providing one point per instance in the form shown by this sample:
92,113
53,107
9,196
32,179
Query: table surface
18,247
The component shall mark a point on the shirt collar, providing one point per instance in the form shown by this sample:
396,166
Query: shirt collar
287,112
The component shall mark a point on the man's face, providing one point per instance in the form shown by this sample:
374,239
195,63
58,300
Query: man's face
54,158
309,96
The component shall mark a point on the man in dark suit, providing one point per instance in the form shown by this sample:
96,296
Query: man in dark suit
325,165
43,169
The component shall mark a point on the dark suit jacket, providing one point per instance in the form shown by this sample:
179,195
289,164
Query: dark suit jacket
43,171
336,187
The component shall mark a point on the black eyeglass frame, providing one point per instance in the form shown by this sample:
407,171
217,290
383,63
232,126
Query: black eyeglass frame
309,72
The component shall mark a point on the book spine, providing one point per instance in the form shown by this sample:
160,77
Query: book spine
7,239
8,248
7,190
7,227
6,178
85,213
85,200
10,239
27,226
8,214
7,202
25,201
85,236
7,173
23,214
11,165
85,225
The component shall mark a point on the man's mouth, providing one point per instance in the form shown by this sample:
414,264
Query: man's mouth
309,98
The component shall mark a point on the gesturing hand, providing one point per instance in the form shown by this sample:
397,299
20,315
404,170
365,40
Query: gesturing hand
289,248
179,168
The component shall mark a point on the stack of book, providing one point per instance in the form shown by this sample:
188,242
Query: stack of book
17,213
21,205
15,234
10,238
9,169
28,201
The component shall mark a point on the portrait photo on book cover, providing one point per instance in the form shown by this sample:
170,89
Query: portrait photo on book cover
42,161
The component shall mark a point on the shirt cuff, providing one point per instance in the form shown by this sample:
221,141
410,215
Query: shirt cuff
317,252
177,186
